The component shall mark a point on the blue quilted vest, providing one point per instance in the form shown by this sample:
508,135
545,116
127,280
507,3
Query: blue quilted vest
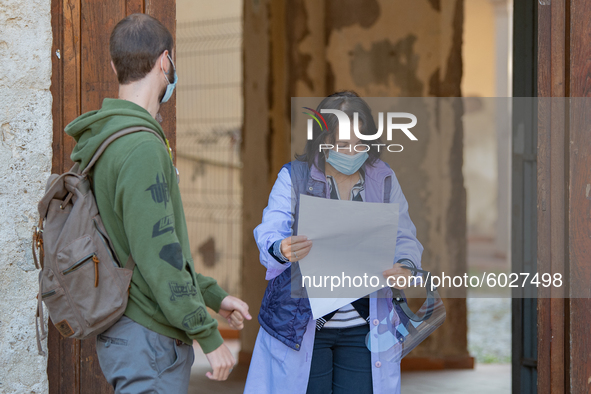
285,317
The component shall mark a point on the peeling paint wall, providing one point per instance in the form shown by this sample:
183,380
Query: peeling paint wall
25,163
378,48
415,51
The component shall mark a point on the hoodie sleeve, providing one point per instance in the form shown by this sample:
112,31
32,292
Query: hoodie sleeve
150,207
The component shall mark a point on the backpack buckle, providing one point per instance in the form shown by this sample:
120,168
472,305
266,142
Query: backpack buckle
38,234
37,242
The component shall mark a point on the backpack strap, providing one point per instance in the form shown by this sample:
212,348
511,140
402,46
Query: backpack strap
38,242
76,168
112,138
40,334
130,264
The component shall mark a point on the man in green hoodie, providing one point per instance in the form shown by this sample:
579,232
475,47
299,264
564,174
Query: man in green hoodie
135,183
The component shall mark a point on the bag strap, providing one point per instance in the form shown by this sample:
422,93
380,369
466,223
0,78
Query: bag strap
130,264
399,299
112,138
38,242
40,334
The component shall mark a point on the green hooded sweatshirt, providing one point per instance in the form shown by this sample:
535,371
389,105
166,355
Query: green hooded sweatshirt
139,201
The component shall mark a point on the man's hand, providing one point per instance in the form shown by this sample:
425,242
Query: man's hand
395,272
296,247
235,311
222,362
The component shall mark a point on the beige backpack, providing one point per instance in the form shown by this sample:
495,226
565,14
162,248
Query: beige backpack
81,282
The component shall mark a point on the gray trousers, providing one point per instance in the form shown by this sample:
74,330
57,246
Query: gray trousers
136,360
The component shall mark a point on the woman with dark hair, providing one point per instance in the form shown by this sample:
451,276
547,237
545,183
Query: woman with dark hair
295,353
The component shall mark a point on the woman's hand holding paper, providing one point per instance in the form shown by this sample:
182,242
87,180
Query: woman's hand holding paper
296,247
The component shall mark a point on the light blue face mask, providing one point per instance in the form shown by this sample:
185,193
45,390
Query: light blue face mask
346,164
171,86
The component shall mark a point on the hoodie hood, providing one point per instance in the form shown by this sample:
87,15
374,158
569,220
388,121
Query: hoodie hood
92,128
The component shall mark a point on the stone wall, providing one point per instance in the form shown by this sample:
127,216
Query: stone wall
25,163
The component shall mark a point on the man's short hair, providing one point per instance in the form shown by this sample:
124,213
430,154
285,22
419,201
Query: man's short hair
136,43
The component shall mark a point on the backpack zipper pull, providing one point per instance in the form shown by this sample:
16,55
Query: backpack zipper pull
96,271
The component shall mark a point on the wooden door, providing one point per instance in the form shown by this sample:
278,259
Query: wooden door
564,159
82,77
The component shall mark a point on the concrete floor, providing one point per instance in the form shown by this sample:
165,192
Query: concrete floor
484,379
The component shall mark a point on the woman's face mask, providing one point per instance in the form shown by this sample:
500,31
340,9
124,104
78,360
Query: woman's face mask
346,164
349,162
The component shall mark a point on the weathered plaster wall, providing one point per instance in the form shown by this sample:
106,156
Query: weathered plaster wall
478,83
25,163
386,49
379,48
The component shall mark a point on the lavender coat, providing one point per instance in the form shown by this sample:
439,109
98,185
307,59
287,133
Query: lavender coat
277,369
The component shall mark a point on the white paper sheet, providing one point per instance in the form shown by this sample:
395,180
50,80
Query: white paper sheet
350,239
